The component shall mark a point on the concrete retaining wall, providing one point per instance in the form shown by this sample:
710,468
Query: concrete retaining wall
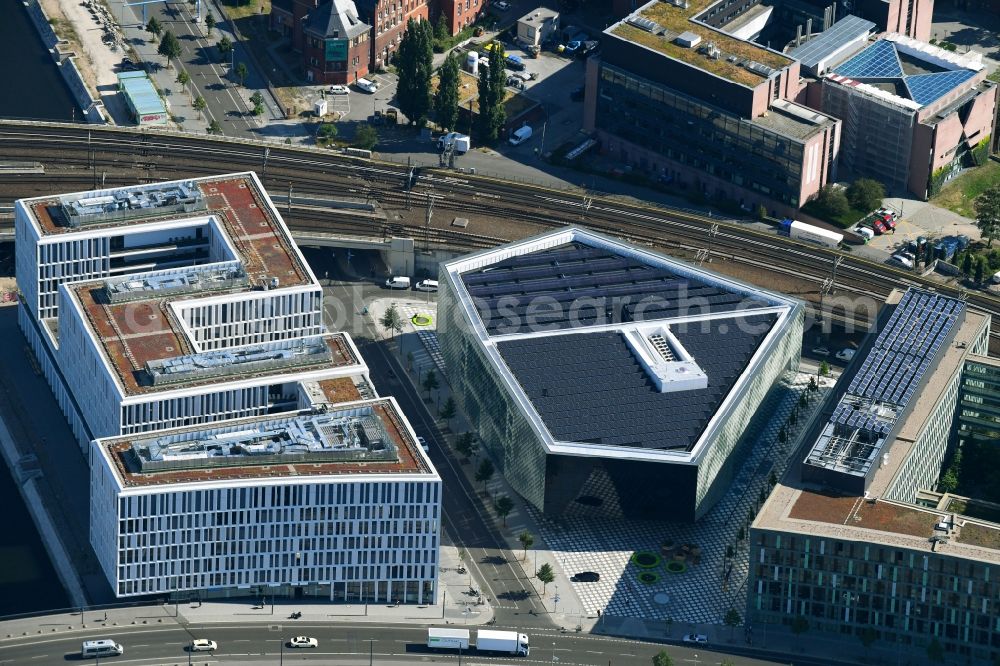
66,63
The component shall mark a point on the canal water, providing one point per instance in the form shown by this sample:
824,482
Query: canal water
32,87
28,582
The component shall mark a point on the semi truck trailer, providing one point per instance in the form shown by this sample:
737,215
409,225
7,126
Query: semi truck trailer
505,642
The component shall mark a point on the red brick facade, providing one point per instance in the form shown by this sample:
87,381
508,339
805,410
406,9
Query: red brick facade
462,13
320,70
388,19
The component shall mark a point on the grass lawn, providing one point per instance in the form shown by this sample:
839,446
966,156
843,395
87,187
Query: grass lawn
238,9
958,195
848,219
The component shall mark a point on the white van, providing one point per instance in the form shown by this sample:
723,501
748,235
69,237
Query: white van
104,647
397,282
520,135
366,85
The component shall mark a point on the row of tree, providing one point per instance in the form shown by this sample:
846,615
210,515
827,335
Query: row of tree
414,65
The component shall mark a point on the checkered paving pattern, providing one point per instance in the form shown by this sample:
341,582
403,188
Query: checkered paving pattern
585,541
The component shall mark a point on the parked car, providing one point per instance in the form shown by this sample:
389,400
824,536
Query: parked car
462,142
423,444
695,638
520,135
902,260
367,86
203,645
426,285
303,642
501,6
846,354
339,90
572,47
587,48
821,351
865,232
887,211
398,282
586,577
127,65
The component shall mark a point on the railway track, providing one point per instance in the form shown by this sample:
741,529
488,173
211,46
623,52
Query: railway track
80,157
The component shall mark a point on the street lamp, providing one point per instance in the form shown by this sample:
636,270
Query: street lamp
371,651
281,653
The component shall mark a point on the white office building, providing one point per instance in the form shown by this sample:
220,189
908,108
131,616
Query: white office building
236,446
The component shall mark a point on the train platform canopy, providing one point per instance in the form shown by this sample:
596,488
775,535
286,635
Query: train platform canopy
144,103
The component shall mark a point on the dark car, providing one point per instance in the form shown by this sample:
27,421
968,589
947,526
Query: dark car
127,65
587,48
577,93
586,577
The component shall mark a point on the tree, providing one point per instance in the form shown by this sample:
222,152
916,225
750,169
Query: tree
441,32
210,23
183,78
258,103
782,435
392,321
169,47
732,620
214,127
448,410
365,137
824,369
800,625
492,90
504,506
832,201
868,636
761,212
527,540
485,471
225,46
199,105
934,651
812,383
464,444
967,263
928,254
980,271
546,575
988,214
948,482
866,194
242,72
327,132
446,99
661,658
772,479
430,382
415,66
154,27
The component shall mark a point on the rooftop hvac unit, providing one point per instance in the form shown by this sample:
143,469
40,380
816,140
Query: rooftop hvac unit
688,40
711,50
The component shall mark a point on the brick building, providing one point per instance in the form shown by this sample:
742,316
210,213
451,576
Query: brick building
462,13
336,45
388,19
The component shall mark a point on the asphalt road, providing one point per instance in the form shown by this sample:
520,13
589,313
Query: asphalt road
338,643
495,568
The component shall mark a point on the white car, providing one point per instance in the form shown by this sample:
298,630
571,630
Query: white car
520,135
902,260
303,642
695,638
501,6
203,645
427,285
845,355
367,86
398,282
339,90
423,444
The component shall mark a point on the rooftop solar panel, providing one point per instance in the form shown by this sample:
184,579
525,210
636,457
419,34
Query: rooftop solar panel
878,61
827,43
928,88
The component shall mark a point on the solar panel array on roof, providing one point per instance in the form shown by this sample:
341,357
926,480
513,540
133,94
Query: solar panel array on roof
828,42
589,387
926,88
906,347
575,285
881,62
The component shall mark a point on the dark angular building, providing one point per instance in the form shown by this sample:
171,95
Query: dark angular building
604,374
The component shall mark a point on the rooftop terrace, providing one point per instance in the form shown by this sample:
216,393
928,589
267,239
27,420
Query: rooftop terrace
361,438
658,24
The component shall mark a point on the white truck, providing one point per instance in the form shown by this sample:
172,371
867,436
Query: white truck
461,142
447,639
809,232
506,642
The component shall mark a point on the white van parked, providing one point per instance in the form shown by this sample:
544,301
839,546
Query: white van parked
104,647
520,135
366,85
398,282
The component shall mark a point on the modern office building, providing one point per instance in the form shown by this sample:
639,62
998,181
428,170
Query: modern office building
681,94
845,540
905,17
334,501
182,333
914,115
601,373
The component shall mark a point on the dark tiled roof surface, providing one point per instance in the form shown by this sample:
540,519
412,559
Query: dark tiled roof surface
337,19
588,387
574,285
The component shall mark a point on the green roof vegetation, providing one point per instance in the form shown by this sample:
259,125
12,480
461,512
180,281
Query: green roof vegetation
677,20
